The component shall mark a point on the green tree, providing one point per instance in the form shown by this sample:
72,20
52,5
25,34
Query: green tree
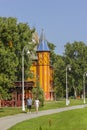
58,64
13,37
76,55
7,70
59,76
52,53
38,93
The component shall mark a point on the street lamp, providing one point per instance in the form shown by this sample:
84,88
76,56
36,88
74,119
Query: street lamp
23,102
85,74
68,67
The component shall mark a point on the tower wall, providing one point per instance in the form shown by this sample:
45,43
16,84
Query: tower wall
44,72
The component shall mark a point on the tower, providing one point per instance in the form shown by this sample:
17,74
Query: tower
43,54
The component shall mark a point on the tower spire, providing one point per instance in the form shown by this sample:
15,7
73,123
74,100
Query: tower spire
43,46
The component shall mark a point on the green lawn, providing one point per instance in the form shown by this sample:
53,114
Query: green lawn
68,120
9,111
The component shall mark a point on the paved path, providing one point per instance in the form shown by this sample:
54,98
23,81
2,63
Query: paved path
7,122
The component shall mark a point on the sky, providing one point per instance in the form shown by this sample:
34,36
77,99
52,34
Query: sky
62,20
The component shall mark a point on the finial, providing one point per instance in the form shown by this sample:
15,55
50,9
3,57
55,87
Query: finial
42,37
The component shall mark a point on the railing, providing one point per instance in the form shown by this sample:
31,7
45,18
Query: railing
6,103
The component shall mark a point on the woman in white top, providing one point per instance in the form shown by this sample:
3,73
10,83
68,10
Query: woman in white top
37,104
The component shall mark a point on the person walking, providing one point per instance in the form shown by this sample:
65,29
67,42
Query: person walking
29,104
37,105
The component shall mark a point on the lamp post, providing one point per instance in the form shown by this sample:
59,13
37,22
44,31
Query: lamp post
23,102
68,67
85,74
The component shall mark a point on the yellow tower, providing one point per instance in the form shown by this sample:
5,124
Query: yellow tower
43,54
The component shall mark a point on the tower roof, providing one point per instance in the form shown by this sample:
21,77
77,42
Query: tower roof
43,46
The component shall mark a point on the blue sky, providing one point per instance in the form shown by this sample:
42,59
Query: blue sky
62,20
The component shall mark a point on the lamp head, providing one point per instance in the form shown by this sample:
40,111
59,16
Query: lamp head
86,74
28,52
69,68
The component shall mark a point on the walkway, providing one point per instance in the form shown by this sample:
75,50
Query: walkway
7,122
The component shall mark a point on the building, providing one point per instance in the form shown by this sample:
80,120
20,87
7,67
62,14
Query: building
42,68
42,71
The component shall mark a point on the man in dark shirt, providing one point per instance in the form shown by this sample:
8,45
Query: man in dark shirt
29,104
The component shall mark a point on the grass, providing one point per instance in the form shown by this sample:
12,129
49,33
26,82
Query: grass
48,105
68,120
6,111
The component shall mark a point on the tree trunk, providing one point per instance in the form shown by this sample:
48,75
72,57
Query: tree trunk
75,93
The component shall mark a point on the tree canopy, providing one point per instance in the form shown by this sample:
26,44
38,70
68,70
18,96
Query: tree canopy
75,55
13,37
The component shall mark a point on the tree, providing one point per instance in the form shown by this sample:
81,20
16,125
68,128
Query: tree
38,93
7,71
52,53
59,76
76,55
13,37
58,64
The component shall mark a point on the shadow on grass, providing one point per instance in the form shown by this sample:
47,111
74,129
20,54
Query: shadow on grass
1,110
